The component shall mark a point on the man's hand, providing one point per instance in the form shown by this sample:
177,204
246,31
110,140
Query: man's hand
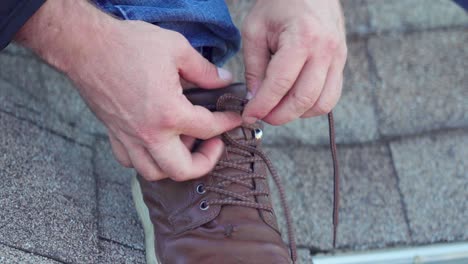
129,74
294,53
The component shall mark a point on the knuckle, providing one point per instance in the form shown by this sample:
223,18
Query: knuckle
151,176
176,171
251,76
281,85
304,45
302,102
323,108
125,163
249,32
144,134
276,122
180,175
308,35
331,43
209,133
168,118
305,41
208,69
149,173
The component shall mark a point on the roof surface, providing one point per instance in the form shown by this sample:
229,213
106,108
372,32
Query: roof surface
402,129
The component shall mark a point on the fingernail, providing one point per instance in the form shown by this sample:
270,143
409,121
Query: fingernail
249,95
224,74
253,89
250,119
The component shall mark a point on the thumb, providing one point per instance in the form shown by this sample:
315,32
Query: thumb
194,68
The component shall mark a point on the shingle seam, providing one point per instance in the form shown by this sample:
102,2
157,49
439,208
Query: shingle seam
53,132
403,205
34,253
119,243
382,140
405,32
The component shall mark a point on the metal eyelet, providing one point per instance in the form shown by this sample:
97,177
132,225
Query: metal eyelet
204,205
201,188
258,133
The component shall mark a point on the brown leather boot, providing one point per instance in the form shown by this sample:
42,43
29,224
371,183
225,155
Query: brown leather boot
224,217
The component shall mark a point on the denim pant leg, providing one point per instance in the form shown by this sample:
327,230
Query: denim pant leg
206,24
462,3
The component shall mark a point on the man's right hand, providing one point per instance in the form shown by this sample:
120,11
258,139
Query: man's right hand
129,72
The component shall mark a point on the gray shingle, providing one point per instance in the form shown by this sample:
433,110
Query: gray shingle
16,49
59,93
415,14
21,105
304,256
22,72
355,11
107,168
43,83
12,255
239,9
47,196
356,16
423,81
370,212
114,253
118,220
49,87
433,173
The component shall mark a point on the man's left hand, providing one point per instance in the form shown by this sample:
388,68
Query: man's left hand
294,53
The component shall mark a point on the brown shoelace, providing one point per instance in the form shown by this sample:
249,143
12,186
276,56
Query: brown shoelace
247,148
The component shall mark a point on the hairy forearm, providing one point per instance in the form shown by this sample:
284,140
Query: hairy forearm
62,31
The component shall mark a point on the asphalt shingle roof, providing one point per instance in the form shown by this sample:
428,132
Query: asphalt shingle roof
402,129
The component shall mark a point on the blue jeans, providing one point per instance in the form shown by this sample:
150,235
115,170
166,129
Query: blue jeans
206,24
463,3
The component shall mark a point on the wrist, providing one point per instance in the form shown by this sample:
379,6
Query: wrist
63,31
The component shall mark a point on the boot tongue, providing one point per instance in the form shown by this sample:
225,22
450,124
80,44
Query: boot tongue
208,98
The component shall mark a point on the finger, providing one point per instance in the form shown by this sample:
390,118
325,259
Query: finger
201,123
282,72
144,163
179,164
119,151
199,71
303,94
188,141
330,99
331,92
256,57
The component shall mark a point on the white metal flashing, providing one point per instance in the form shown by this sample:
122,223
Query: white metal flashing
450,253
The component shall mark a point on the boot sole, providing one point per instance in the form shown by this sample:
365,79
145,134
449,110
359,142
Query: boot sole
148,228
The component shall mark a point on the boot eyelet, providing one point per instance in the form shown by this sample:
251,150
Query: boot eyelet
201,188
257,133
204,205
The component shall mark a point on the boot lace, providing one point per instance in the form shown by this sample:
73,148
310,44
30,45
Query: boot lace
247,149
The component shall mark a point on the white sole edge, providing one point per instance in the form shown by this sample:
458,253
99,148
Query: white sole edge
148,228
